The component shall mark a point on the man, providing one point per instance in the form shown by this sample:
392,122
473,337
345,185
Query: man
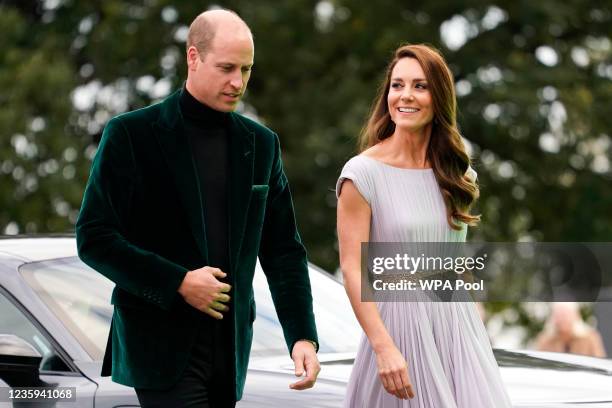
183,197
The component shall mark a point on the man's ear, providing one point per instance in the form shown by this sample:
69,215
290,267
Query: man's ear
193,58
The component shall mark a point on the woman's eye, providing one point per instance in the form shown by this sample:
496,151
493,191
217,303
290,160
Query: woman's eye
396,85
421,86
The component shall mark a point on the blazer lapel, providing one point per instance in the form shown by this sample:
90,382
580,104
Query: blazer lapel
241,160
177,151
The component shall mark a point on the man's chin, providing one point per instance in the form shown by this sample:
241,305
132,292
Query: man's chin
227,107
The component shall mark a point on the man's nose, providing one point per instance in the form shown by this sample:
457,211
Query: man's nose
236,82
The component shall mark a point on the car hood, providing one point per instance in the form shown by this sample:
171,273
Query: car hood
335,367
539,379
533,379
268,380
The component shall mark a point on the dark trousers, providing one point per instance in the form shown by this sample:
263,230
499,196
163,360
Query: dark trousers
206,382
190,392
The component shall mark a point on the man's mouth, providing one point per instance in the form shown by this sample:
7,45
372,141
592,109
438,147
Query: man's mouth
408,110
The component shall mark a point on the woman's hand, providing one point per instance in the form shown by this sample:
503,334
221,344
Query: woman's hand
393,372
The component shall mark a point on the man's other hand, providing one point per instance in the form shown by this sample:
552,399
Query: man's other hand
306,362
202,290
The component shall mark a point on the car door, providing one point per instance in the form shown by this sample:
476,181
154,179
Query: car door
56,369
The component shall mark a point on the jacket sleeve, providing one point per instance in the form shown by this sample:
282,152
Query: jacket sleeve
283,259
101,226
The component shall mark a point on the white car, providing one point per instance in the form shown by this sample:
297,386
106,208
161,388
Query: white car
58,310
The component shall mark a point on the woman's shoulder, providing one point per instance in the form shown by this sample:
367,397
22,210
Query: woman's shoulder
357,169
358,162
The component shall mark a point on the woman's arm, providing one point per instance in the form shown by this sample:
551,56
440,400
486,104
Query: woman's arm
354,215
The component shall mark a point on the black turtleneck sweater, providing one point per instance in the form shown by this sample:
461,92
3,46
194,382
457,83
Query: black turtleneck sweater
206,130
207,133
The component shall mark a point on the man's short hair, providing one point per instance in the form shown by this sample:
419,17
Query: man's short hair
202,32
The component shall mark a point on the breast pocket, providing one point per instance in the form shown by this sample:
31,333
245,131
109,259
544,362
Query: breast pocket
259,191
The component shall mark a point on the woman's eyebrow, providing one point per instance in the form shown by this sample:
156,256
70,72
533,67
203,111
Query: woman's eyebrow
414,80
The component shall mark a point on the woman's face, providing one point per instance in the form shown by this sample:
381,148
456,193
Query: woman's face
409,99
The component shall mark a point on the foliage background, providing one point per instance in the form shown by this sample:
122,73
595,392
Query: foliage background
534,81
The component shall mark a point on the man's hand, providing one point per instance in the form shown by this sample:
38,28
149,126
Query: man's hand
202,290
305,358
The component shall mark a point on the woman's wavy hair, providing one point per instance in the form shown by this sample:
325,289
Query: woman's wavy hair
446,151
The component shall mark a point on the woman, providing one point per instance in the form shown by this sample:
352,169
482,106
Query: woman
412,182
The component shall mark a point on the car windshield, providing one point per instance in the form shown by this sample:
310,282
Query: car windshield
80,298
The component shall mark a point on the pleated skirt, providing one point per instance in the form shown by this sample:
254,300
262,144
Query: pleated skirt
450,360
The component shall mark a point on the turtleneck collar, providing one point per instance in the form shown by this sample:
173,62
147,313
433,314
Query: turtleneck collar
194,110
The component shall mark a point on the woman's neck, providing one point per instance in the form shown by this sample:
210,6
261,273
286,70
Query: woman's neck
408,148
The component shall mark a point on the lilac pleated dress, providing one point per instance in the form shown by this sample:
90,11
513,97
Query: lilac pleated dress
449,356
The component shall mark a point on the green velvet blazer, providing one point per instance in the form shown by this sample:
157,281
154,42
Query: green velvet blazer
141,225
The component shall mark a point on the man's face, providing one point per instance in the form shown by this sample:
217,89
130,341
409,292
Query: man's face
219,76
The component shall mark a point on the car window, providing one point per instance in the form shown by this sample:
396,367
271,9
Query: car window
80,298
337,326
13,321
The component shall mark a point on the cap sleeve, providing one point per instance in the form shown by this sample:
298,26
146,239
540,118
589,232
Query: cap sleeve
356,171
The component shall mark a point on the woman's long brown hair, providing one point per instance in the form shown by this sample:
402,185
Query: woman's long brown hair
446,151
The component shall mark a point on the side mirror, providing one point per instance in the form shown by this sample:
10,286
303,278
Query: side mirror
19,362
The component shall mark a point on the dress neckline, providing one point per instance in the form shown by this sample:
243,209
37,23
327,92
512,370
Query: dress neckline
395,167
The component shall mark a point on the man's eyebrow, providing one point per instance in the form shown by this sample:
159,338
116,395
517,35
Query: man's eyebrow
231,64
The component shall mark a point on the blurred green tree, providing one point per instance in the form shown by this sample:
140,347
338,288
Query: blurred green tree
534,82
